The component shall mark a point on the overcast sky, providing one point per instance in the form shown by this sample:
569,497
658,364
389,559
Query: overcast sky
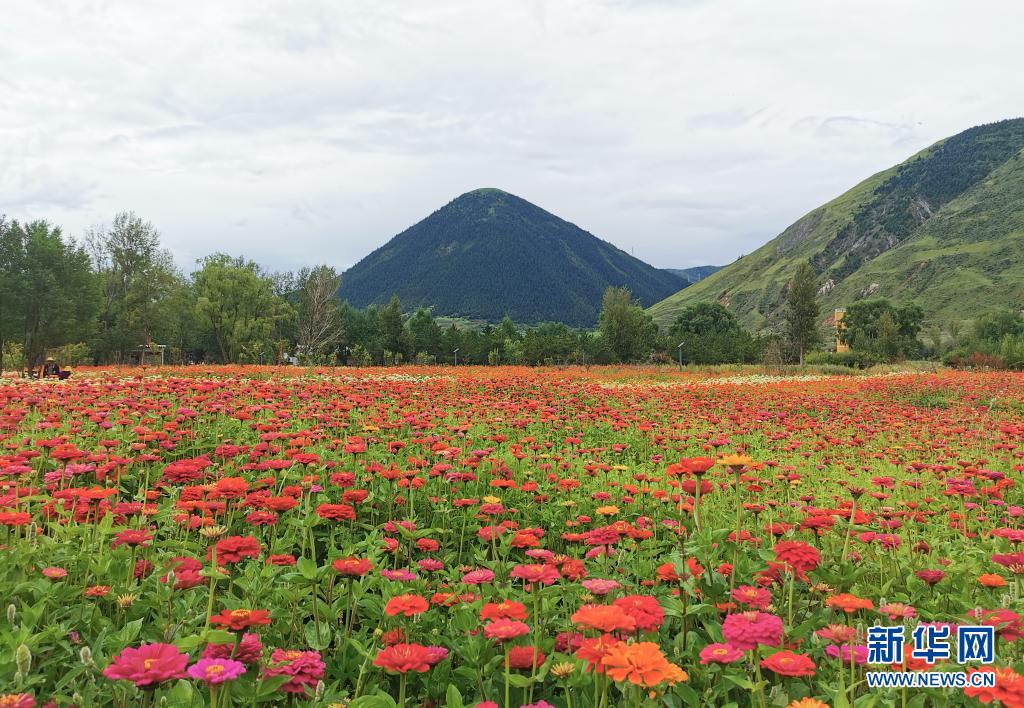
295,132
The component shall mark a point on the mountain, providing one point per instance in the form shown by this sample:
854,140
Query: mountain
944,229
694,274
489,253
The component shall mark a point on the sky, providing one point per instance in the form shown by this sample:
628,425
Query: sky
294,132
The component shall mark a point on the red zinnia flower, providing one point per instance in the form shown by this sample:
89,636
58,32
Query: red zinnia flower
237,620
786,663
506,609
403,658
524,658
353,567
799,556
644,610
407,605
235,548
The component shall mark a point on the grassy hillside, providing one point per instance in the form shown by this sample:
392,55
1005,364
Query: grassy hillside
489,253
942,229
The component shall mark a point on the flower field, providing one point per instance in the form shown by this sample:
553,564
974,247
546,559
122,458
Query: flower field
502,537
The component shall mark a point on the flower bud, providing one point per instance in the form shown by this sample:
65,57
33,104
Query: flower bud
23,659
12,613
85,654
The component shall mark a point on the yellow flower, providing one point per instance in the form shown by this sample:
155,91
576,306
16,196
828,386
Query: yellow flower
563,669
213,531
735,460
607,510
492,500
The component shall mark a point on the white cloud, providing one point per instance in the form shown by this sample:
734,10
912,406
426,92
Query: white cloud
298,132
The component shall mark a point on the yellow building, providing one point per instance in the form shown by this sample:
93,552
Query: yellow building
838,317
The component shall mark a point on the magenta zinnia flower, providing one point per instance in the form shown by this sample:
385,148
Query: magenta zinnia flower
215,671
745,630
147,665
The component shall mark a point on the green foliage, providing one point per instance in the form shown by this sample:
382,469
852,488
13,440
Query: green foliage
881,330
73,354
48,293
13,358
628,331
488,254
137,280
995,341
238,313
802,310
711,334
851,359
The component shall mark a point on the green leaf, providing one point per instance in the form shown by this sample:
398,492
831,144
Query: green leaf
218,636
379,700
519,681
745,684
269,686
307,568
182,694
453,699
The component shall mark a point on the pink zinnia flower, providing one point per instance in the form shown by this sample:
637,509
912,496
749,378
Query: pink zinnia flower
216,671
17,700
536,573
304,667
401,575
147,665
860,653
720,654
598,586
752,596
477,577
745,630
930,576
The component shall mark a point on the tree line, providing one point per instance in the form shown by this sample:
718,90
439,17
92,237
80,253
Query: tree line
101,298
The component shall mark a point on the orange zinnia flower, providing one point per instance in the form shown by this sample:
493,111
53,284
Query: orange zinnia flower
604,618
594,650
641,663
991,580
849,603
807,703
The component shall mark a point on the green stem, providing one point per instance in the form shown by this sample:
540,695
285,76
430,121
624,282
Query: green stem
508,702
213,588
849,529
